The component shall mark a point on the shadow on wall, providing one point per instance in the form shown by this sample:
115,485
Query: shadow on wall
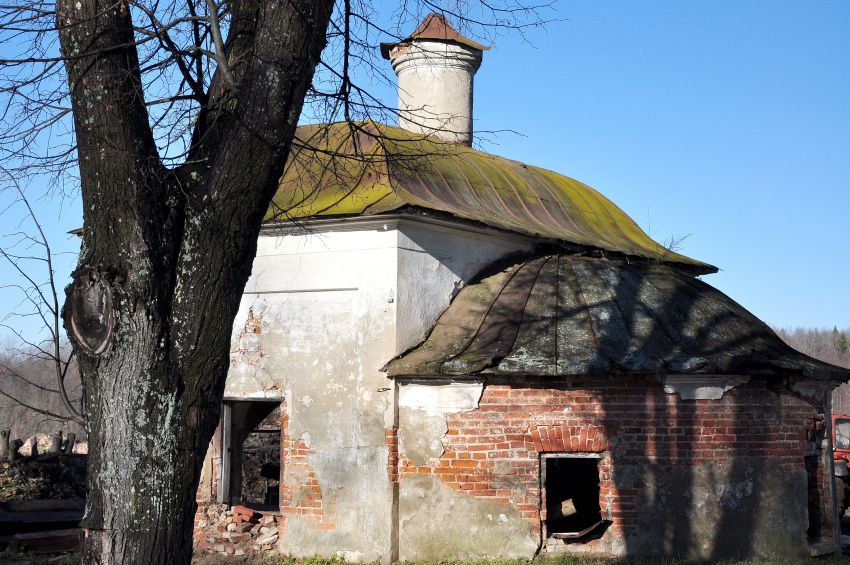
707,437
697,499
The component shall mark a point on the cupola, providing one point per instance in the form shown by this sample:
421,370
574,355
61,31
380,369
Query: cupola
435,67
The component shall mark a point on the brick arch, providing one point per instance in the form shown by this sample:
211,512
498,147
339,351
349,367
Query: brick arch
570,439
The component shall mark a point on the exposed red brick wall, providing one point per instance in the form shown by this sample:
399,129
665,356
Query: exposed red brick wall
304,499
568,439
494,452
391,436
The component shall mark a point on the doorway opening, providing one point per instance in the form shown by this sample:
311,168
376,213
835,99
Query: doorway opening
251,463
814,497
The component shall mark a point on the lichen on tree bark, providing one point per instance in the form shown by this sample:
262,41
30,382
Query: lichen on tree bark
165,256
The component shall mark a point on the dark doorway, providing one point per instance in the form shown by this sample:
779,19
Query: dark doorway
251,465
814,497
571,495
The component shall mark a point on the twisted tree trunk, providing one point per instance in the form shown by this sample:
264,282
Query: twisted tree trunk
165,256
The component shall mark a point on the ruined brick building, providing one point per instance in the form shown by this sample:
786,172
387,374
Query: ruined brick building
442,352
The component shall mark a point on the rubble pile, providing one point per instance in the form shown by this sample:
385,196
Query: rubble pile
235,531
50,476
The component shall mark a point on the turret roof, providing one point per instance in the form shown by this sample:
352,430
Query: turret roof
435,27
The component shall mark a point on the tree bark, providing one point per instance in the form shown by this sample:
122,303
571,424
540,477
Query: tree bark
14,446
68,446
165,257
4,443
55,446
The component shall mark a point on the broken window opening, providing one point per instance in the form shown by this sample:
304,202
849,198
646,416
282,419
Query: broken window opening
571,496
251,463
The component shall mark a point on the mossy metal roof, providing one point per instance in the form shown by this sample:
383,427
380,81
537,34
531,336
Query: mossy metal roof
562,315
362,169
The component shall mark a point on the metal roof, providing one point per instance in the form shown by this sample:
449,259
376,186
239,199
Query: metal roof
560,315
435,27
368,168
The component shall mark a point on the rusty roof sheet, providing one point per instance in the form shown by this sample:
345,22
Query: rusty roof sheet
560,315
368,168
435,26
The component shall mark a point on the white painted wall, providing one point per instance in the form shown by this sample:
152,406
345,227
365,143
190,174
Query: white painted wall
323,311
435,260
435,84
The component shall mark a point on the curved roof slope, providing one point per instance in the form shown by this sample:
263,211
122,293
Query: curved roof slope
362,169
562,315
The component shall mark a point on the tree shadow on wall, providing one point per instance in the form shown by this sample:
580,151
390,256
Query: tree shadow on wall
697,484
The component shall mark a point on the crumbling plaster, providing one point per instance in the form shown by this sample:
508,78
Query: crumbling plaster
325,308
425,503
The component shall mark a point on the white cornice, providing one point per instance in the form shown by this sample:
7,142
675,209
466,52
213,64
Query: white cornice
385,222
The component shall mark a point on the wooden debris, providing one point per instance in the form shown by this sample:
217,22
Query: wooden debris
46,542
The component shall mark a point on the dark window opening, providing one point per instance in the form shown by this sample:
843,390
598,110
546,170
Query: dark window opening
571,496
814,498
251,467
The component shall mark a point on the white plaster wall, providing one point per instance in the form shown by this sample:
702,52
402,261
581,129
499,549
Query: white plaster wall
314,328
321,314
434,263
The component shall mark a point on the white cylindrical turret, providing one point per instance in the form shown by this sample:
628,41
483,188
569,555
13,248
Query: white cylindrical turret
435,68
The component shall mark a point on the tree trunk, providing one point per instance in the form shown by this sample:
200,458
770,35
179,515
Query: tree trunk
4,443
55,446
14,446
165,257
145,449
70,440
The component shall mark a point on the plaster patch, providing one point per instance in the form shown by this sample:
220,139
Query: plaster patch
421,436
441,399
701,387
812,389
428,510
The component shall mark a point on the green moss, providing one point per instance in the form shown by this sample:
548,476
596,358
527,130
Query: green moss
368,168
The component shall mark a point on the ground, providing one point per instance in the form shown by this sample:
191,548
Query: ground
274,559
43,477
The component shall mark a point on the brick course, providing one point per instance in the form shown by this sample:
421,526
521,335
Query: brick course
494,452
304,499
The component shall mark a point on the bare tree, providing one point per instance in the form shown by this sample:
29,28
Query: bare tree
33,375
30,400
175,119
829,345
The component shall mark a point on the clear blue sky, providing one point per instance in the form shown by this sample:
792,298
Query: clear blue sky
728,122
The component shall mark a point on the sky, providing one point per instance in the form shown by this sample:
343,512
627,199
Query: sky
726,122
723,123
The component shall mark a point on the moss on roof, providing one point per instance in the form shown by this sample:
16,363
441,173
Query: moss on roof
561,315
362,169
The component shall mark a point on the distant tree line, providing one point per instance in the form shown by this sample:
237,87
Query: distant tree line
29,398
827,345
830,346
